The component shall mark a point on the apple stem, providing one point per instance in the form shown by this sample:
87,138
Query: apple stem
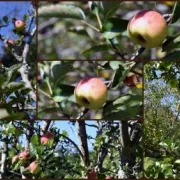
99,20
91,26
137,54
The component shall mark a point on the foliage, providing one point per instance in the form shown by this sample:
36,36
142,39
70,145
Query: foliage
162,121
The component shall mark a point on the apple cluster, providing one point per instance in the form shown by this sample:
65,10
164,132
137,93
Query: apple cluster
25,156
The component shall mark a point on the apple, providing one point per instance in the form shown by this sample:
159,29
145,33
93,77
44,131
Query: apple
131,80
46,137
92,174
10,42
15,159
147,28
108,177
34,167
91,92
24,155
19,25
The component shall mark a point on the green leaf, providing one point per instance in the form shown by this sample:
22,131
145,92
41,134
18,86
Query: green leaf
63,91
177,161
172,43
117,76
126,106
35,140
114,27
59,70
61,11
14,86
109,8
94,49
172,55
176,13
5,19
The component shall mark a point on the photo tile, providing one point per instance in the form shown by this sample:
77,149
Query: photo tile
18,45
161,120
84,149
90,90
74,30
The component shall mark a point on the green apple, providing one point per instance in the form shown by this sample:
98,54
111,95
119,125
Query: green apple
148,29
91,92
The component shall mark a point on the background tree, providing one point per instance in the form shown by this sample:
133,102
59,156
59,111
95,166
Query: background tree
162,120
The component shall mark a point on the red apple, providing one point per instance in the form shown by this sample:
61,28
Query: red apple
46,137
15,159
91,92
34,167
24,155
10,42
131,80
148,29
92,174
108,177
19,25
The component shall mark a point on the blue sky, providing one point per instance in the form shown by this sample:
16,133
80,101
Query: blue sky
12,9
72,130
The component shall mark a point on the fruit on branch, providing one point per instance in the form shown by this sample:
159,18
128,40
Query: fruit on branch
147,28
34,167
92,174
131,80
91,92
24,155
15,159
19,25
108,177
10,42
48,136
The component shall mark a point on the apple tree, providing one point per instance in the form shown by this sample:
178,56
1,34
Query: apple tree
162,120
17,61
71,149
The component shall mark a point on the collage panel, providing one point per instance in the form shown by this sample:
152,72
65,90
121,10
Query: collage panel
85,149
120,30
17,60
161,139
90,90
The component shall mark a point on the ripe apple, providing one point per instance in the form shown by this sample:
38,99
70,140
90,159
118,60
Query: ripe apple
19,25
147,28
91,92
92,174
34,167
24,155
15,159
131,80
46,137
10,42
108,177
